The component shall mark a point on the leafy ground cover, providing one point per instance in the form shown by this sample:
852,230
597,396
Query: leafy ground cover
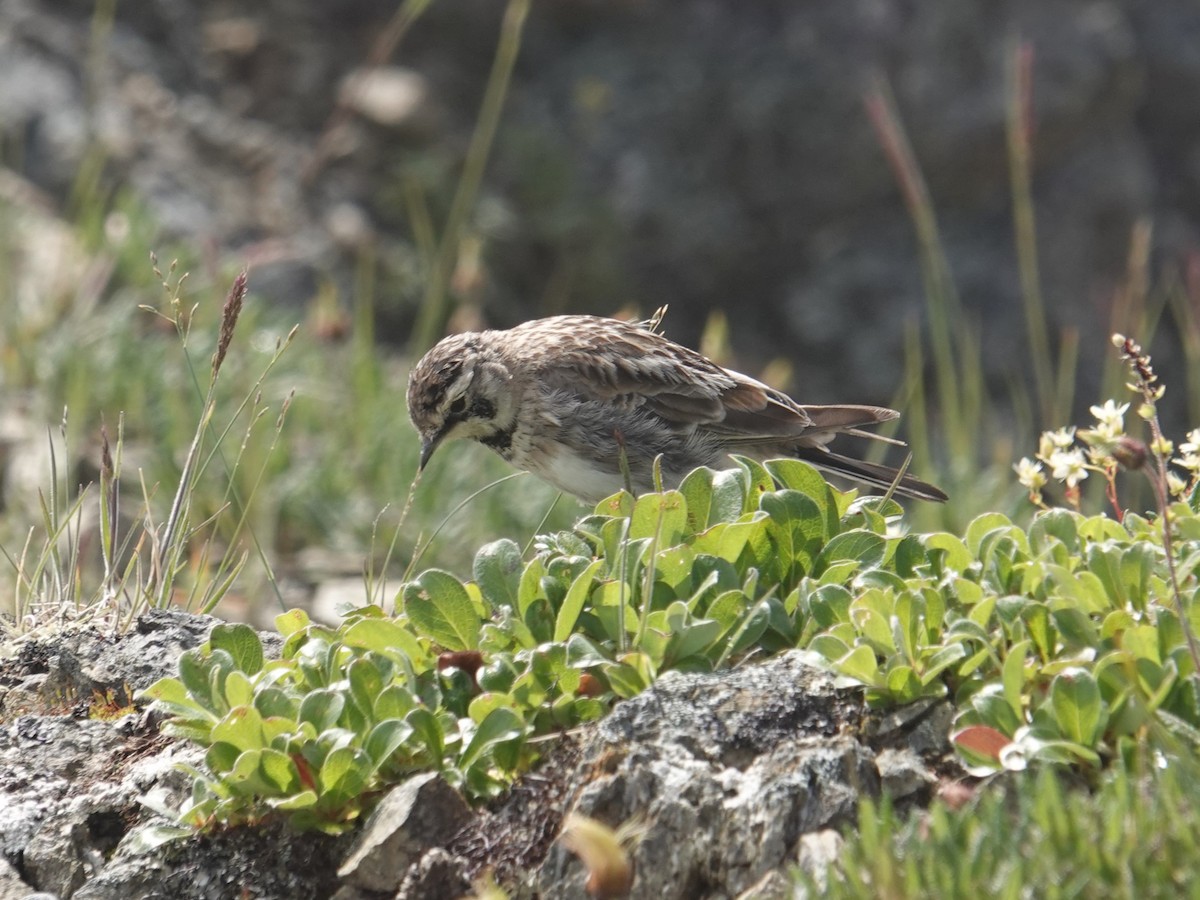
1059,643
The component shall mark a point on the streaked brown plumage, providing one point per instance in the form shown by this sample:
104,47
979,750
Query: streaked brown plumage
563,397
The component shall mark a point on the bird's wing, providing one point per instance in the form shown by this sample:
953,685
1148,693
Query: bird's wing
623,363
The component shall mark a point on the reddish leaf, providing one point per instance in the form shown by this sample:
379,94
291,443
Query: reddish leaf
983,740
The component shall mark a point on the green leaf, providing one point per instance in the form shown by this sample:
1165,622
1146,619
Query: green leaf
499,726
619,505
572,605
197,730
194,671
385,739
981,526
1013,676
529,591
273,702
953,552
170,696
830,605
322,708
905,625
394,702
386,635
994,709
242,728
426,727
829,646
246,775
1037,620
1102,528
864,547
583,654
238,689
291,622
366,682
942,660
1054,525
692,637
797,530
726,608
910,553
1075,626
345,771
697,490
837,573
758,483
303,800
221,757
440,609
1137,566
277,770
1078,711
902,683
675,568
727,540
871,612
746,635
497,571
795,475
625,680
241,642
859,664
662,517
1104,560
713,497
729,496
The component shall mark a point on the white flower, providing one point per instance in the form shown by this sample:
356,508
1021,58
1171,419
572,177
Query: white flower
1030,474
1068,466
1191,447
1103,435
1052,441
1110,416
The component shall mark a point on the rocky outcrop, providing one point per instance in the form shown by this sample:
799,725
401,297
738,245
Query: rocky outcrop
735,777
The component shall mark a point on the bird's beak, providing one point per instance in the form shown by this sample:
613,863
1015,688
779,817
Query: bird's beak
428,445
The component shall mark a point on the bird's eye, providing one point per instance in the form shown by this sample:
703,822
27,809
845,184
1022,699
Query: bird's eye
458,405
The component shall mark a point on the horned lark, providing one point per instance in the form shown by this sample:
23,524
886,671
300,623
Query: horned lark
567,397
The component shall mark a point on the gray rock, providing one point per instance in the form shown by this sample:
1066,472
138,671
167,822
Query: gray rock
11,885
734,776
728,772
903,773
772,886
818,851
438,875
70,787
415,816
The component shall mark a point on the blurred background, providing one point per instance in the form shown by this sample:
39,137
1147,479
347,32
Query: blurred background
946,207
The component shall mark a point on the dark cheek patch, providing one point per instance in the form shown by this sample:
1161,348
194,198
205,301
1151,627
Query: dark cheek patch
483,409
501,442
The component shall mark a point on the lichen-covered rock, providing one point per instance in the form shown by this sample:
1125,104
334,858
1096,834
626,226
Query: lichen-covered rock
728,772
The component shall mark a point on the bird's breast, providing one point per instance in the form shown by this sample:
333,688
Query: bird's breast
573,473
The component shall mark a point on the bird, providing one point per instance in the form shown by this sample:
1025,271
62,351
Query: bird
589,404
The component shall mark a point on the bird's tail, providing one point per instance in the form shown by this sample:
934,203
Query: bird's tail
873,474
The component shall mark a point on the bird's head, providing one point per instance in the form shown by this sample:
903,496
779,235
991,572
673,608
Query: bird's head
460,389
